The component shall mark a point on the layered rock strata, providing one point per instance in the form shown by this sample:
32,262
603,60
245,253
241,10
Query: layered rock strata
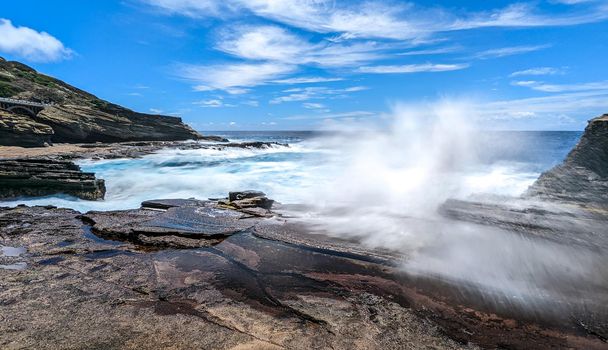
41,177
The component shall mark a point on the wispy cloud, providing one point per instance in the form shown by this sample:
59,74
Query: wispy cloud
276,44
436,51
311,105
30,44
306,80
193,8
377,19
537,71
572,2
342,115
540,86
508,51
213,103
315,92
568,104
526,15
412,68
251,103
232,78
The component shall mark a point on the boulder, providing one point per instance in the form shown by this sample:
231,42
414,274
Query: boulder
238,195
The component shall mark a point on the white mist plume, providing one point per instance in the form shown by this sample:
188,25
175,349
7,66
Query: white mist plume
410,166
387,185
404,170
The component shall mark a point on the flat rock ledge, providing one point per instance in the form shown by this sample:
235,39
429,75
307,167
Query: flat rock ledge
181,223
117,150
41,177
114,280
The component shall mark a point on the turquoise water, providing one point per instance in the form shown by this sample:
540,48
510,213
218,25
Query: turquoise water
317,164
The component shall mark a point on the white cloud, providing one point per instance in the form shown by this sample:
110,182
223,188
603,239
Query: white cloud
233,78
310,105
213,103
251,103
412,68
525,15
342,115
193,8
262,43
540,86
155,110
584,104
508,51
537,71
572,2
30,44
306,80
272,43
435,51
314,92
378,19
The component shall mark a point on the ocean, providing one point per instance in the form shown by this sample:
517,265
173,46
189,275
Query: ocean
320,167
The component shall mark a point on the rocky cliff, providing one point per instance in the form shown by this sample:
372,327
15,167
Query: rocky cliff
42,177
583,176
75,115
21,130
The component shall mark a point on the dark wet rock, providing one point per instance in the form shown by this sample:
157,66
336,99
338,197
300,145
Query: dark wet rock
244,292
251,202
40,177
173,223
172,203
21,130
77,116
239,195
255,144
583,176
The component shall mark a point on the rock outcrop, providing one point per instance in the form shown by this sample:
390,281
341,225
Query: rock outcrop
583,176
77,116
41,177
272,286
21,130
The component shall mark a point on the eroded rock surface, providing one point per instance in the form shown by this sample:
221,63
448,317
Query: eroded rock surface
292,290
40,177
583,176
21,130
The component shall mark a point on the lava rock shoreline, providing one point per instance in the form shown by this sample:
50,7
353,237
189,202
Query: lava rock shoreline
40,172
136,279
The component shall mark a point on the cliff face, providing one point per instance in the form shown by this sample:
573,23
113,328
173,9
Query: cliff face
20,130
77,116
583,176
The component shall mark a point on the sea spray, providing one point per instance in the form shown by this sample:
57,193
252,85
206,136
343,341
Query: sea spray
391,182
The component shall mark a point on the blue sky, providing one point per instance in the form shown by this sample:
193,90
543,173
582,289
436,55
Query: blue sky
284,65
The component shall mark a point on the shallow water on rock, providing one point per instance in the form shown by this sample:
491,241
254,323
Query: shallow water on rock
15,266
11,251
